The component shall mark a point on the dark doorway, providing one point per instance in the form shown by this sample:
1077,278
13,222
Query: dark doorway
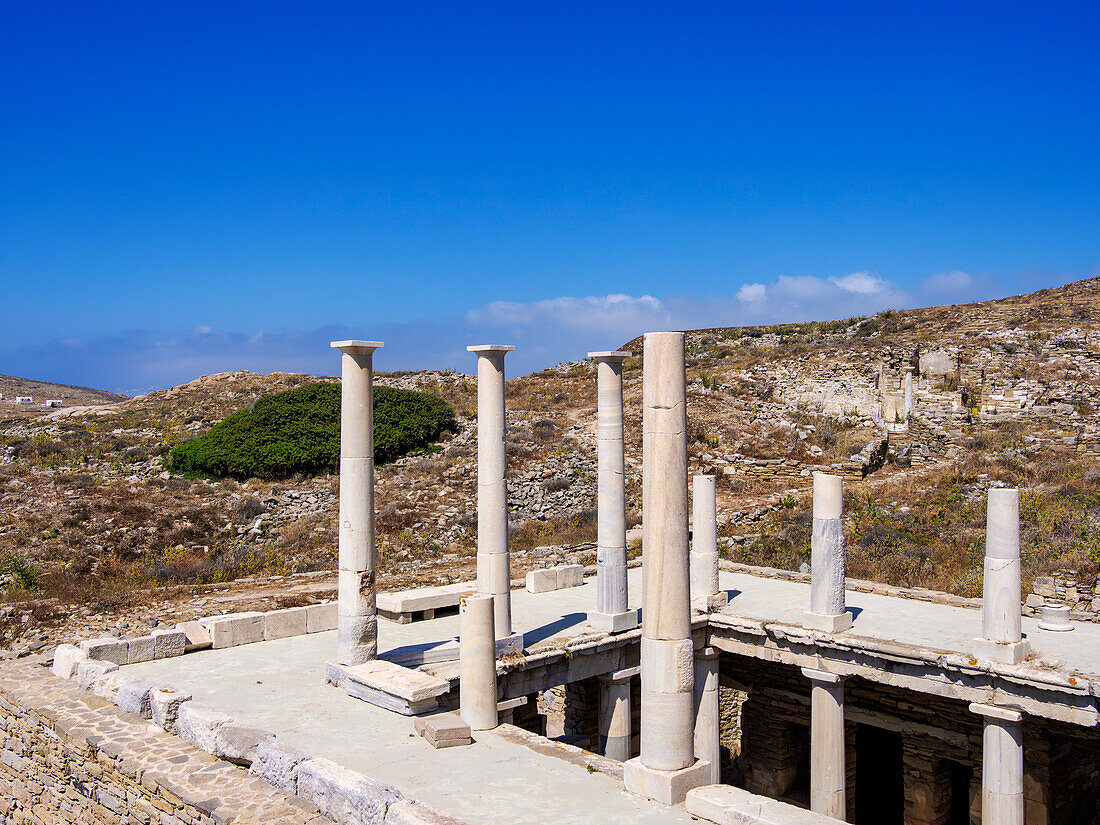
961,776
880,796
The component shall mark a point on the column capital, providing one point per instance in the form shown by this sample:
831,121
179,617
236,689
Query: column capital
611,355
821,676
489,349
996,712
356,347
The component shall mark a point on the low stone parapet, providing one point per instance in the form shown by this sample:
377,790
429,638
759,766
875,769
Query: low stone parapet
727,805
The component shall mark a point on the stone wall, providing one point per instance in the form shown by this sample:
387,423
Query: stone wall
941,740
69,756
1064,587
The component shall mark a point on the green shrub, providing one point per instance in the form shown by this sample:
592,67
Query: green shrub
298,431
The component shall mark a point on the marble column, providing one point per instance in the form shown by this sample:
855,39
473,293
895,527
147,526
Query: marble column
1002,765
477,672
611,614
494,573
827,752
1002,637
357,620
707,743
615,717
666,768
908,392
705,593
827,608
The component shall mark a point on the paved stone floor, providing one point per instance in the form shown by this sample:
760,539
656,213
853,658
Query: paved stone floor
279,686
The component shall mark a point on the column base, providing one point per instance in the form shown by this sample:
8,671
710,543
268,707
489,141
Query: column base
712,603
666,787
1007,653
614,622
834,623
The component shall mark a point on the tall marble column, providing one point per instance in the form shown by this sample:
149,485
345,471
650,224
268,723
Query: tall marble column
707,742
615,717
494,573
666,768
1002,636
705,593
827,755
357,620
611,614
1002,765
827,601
477,672
908,392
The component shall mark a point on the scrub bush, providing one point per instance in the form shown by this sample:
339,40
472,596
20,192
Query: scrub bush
298,431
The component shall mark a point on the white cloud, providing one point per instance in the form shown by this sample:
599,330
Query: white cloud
749,293
953,282
861,283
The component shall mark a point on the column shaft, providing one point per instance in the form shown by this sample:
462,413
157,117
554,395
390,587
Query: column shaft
357,623
611,586
1002,636
615,718
493,567
477,687
827,600
827,752
705,592
707,742
1002,765
667,735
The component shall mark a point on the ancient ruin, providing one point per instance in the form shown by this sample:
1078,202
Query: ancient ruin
744,696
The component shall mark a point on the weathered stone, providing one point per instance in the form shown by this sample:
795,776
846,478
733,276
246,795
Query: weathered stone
139,649
235,629
89,670
408,812
106,686
280,624
107,648
133,696
321,617
169,643
344,795
164,705
65,660
277,763
196,635
199,725
238,743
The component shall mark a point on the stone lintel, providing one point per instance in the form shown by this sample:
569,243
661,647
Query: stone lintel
996,712
624,674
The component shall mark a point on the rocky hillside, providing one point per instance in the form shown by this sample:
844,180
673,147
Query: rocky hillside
1003,391
42,391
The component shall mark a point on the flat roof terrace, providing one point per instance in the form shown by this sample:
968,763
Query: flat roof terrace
280,686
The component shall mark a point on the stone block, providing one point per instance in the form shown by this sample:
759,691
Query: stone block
234,629
164,705
196,636
133,696
89,670
280,624
344,795
543,580
394,687
570,575
321,617
424,598
1006,653
665,787
444,730
106,686
106,648
238,743
727,805
65,660
139,650
409,812
199,725
614,622
169,643
835,623
277,763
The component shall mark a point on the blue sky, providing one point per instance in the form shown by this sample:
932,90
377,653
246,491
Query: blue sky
196,187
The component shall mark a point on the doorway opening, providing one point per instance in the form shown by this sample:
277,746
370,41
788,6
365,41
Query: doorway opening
880,796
